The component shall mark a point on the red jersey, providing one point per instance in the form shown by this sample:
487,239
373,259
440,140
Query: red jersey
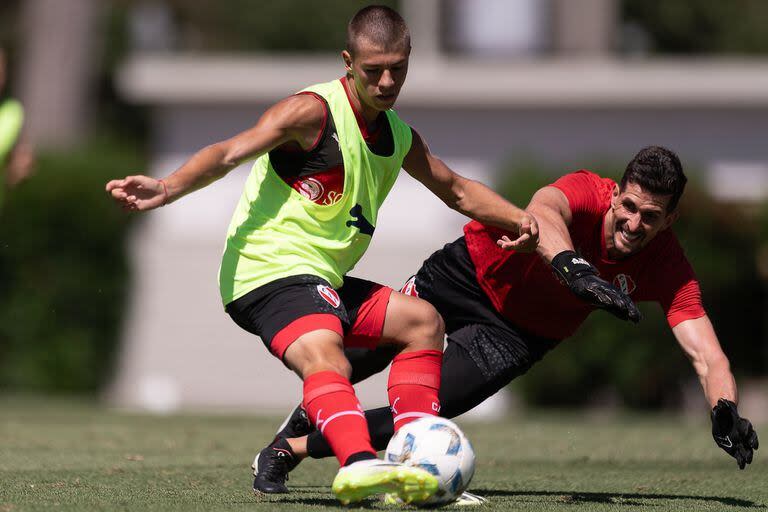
524,289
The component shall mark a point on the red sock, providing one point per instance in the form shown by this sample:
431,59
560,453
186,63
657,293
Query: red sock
414,381
333,408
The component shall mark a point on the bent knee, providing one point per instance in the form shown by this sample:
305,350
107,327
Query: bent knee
422,327
434,328
315,352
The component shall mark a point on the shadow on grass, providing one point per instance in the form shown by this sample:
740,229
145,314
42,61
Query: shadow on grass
320,495
631,499
310,495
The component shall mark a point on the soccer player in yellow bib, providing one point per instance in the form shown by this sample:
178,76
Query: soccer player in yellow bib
325,160
15,158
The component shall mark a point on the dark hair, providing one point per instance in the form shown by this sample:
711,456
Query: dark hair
381,25
657,170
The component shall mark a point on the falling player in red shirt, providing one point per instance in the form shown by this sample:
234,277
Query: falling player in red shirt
504,309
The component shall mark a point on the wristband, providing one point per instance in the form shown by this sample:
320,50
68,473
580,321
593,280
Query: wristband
568,265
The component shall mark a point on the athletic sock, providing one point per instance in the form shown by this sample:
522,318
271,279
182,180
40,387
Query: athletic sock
333,408
380,429
414,381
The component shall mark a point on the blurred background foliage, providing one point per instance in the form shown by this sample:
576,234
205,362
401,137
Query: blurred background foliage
641,366
693,27
247,26
64,271
243,25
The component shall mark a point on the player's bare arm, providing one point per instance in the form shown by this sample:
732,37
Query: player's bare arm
294,120
698,340
550,208
469,197
20,163
730,431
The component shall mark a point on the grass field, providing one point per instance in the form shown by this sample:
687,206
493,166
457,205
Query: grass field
64,455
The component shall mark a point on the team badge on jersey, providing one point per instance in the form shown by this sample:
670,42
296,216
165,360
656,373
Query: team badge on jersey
311,188
624,283
329,294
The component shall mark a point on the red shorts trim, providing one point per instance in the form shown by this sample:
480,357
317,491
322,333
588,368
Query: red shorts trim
369,324
291,332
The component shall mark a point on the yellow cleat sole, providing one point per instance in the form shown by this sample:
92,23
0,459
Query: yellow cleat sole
411,485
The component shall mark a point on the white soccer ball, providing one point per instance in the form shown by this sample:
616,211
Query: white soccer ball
439,446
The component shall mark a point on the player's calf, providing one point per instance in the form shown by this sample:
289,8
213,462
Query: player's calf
414,382
329,397
414,379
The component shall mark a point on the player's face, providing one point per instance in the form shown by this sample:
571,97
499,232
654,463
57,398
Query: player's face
377,74
635,218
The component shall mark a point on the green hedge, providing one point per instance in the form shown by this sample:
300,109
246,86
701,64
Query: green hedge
284,26
700,27
642,366
63,271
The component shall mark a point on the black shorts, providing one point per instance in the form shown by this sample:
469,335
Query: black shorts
283,310
485,352
448,280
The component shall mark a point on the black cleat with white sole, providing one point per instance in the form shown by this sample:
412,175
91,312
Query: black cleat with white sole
271,467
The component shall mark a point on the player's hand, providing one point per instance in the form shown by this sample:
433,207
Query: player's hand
20,164
528,240
733,433
582,279
138,192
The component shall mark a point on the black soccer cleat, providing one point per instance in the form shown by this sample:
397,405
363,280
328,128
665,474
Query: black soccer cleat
271,467
295,425
272,464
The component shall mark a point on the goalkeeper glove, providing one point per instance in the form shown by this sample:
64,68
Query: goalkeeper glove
733,433
582,279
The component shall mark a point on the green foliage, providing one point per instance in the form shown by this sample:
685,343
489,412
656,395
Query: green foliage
9,30
63,271
701,26
287,25
642,365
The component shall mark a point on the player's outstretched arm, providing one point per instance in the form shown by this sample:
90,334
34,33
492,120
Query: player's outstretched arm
470,197
297,119
550,207
730,431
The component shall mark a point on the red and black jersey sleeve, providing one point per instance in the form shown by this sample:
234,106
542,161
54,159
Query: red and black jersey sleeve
676,285
588,194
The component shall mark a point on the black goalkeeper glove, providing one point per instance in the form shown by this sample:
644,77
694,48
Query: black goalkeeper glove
733,433
581,278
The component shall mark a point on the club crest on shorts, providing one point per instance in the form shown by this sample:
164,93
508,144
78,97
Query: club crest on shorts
624,283
329,294
409,288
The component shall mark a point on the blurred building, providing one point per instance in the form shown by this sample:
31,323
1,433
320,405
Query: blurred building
489,79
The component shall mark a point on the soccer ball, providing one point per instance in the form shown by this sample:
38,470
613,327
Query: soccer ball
440,447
